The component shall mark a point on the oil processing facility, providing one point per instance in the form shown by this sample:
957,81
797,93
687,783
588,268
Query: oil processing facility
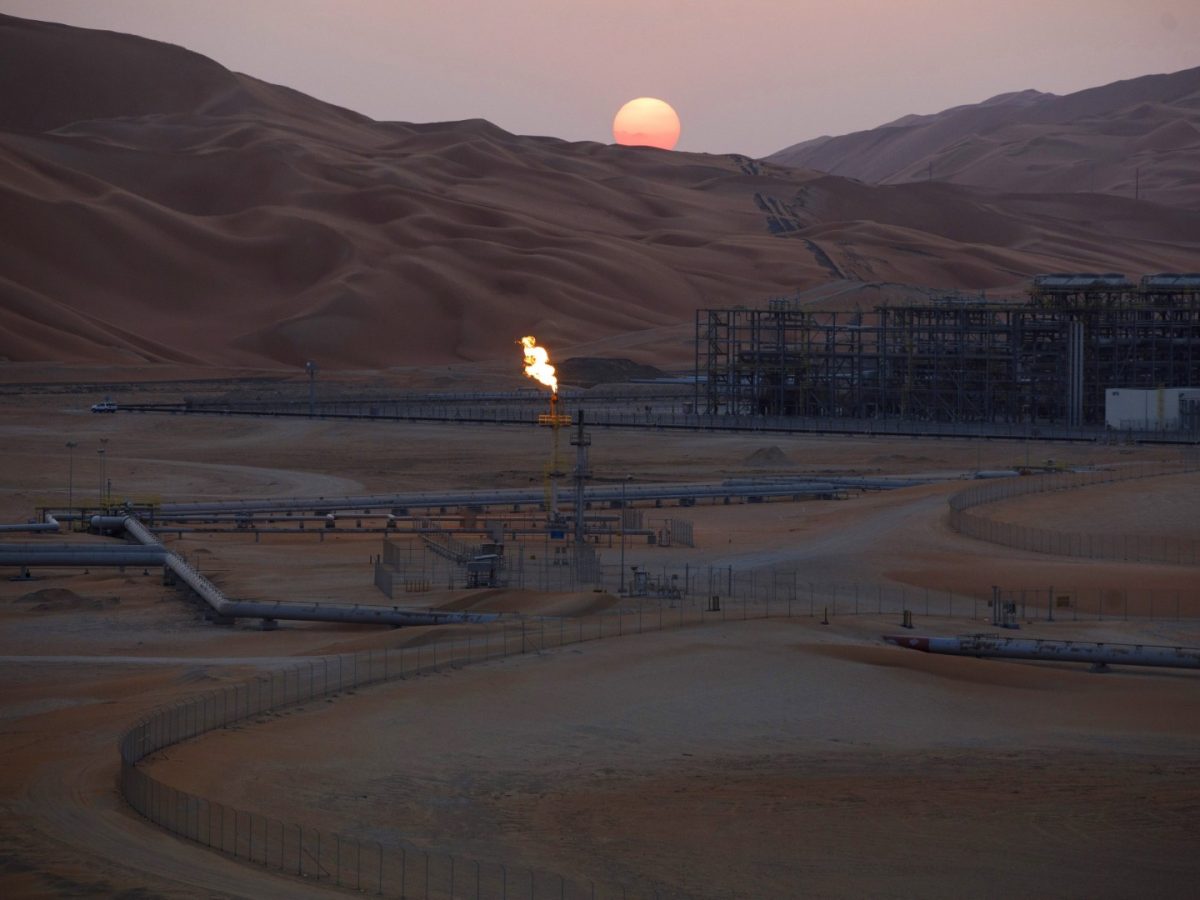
1048,360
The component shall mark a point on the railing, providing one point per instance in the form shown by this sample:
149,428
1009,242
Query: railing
399,868
395,868
671,413
1135,547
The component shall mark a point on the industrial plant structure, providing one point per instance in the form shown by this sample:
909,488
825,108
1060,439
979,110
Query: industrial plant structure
958,359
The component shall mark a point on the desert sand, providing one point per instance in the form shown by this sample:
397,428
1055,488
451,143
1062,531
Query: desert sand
762,758
245,224
1136,137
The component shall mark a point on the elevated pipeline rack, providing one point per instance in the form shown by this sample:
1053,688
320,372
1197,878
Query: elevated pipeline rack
454,414
49,524
150,551
1099,654
80,555
800,486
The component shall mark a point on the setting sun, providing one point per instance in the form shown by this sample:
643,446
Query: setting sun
646,122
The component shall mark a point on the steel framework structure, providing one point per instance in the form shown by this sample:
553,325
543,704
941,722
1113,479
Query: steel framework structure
958,360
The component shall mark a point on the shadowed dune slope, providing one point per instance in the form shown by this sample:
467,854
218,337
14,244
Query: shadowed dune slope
158,207
1140,135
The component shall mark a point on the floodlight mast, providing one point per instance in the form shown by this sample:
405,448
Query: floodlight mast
71,445
312,368
581,441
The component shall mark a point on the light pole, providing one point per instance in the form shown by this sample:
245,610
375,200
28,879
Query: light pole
311,368
71,445
624,481
103,454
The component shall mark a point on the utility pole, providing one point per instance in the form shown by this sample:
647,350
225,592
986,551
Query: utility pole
624,481
581,441
107,487
71,445
311,368
100,454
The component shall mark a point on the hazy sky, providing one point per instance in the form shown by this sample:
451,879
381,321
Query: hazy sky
749,76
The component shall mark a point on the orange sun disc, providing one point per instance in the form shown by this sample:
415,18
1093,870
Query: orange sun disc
646,122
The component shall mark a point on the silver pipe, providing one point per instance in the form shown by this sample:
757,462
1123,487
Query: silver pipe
774,487
251,609
81,556
1099,654
51,524
48,547
362,615
109,523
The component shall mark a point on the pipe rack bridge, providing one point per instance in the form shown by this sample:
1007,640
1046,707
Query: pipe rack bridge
1098,654
743,488
50,524
150,551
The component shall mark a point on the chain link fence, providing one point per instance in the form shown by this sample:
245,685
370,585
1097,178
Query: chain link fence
398,868
1051,604
666,412
1131,547
395,868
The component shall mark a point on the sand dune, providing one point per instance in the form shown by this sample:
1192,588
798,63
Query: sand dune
160,208
1140,135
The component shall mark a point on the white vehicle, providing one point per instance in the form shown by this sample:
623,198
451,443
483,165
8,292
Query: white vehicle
104,406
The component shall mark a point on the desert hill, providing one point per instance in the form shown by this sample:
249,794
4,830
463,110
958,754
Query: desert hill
1095,140
158,207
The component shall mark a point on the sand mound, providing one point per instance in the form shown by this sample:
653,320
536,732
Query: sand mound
1094,140
209,218
590,371
572,603
62,599
769,457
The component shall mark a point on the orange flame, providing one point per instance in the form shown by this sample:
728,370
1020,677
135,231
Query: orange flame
537,363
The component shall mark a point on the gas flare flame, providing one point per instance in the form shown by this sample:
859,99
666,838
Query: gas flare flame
537,363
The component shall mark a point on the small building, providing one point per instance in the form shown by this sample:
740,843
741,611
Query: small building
1160,409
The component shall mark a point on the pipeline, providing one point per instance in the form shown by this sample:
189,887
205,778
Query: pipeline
86,555
227,610
51,524
1098,654
760,488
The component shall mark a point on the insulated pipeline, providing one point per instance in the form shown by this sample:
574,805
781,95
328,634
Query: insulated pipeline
51,524
292,611
1068,651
